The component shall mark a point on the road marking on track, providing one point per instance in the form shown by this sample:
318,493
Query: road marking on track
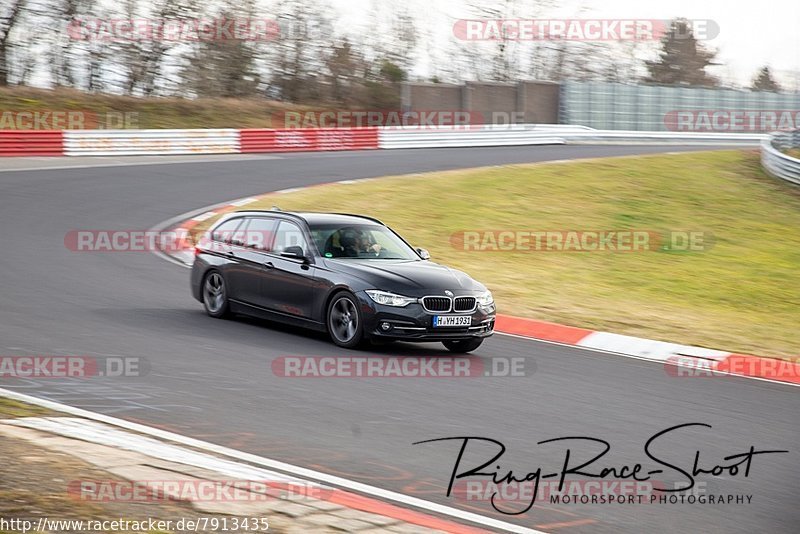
302,472
602,342
99,164
637,357
567,524
244,201
204,216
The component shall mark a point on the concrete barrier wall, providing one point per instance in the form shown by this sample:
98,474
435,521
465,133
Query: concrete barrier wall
432,96
540,101
522,102
493,101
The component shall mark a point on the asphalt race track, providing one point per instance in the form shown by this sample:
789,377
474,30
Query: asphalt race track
212,379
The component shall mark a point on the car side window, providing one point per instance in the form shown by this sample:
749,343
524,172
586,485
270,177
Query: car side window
225,231
289,235
259,232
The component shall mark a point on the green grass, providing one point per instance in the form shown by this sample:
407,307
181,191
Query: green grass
741,295
147,112
11,408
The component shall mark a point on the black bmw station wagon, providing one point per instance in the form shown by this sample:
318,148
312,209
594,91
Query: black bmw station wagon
348,275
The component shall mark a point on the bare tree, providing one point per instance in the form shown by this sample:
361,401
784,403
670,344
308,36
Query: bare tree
225,65
343,64
143,59
9,19
298,56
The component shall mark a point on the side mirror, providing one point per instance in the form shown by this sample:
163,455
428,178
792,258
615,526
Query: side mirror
424,254
294,252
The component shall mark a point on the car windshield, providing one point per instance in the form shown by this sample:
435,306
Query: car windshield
360,241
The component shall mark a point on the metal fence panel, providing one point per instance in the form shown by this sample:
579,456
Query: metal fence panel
614,106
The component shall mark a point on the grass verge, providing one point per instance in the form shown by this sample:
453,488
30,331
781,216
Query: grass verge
742,294
147,112
11,408
34,484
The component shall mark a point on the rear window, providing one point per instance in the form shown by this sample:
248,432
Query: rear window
258,233
224,232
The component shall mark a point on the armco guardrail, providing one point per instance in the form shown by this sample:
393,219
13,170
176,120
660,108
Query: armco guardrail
391,138
153,142
305,140
661,138
455,138
778,163
31,143
222,141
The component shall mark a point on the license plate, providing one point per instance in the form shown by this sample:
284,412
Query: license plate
452,320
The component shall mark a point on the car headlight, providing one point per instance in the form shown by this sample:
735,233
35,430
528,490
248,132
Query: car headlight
389,299
485,299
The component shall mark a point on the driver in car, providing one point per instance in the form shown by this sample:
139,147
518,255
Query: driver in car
367,246
358,243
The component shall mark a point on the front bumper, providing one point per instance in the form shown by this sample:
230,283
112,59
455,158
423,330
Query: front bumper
413,323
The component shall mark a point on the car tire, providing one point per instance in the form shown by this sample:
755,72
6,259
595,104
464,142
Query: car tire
215,295
345,325
462,346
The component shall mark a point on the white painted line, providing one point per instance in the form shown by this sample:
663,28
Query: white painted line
138,164
103,434
608,343
636,357
301,472
204,216
647,348
244,201
703,353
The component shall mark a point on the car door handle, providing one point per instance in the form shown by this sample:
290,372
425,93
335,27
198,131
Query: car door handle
268,265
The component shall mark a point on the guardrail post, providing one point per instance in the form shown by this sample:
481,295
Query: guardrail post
777,163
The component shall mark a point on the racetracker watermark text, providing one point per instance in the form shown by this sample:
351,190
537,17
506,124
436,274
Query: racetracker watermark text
732,120
52,366
410,119
195,490
127,240
59,119
734,365
401,367
580,29
581,240
516,495
186,30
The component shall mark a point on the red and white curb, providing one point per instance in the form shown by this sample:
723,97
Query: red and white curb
183,224
678,360
106,430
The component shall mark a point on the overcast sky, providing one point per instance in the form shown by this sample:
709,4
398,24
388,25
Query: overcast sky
752,33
